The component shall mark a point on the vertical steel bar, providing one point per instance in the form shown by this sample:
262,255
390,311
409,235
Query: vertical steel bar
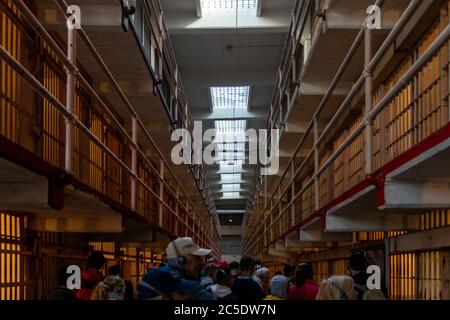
387,269
330,176
177,209
280,210
161,193
134,127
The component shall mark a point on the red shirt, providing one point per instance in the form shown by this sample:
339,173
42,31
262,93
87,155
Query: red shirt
88,283
307,291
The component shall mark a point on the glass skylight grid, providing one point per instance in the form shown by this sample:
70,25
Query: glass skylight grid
235,164
230,156
231,187
231,195
230,177
231,166
230,98
231,147
230,126
228,4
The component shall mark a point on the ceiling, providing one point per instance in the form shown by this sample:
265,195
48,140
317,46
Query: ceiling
212,52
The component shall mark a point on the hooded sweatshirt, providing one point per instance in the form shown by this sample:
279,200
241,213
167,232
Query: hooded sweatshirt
223,292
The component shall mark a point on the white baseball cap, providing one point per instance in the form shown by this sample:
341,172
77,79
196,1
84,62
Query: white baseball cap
183,247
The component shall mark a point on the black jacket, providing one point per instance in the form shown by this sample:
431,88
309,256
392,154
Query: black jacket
62,294
360,280
246,289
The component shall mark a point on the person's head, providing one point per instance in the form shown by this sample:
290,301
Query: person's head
223,277
96,261
223,264
357,263
210,270
112,288
63,276
210,259
247,266
304,272
278,286
288,270
337,288
279,273
234,268
187,256
114,270
263,274
164,283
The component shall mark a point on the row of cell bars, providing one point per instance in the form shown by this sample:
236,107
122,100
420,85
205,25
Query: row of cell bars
92,165
427,221
10,38
413,275
25,274
415,114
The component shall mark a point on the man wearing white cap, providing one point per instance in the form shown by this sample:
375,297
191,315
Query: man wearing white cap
189,259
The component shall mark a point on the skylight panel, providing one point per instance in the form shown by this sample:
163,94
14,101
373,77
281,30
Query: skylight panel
231,187
230,126
231,147
230,98
231,164
230,177
231,195
230,156
228,4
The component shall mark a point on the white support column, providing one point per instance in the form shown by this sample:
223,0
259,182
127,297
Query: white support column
292,194
316,165
444,73
368,130
330,176
70,97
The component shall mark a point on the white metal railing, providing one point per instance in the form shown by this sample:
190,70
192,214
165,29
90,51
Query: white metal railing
271,213
164,173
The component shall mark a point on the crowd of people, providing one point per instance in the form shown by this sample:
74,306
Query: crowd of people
191,274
